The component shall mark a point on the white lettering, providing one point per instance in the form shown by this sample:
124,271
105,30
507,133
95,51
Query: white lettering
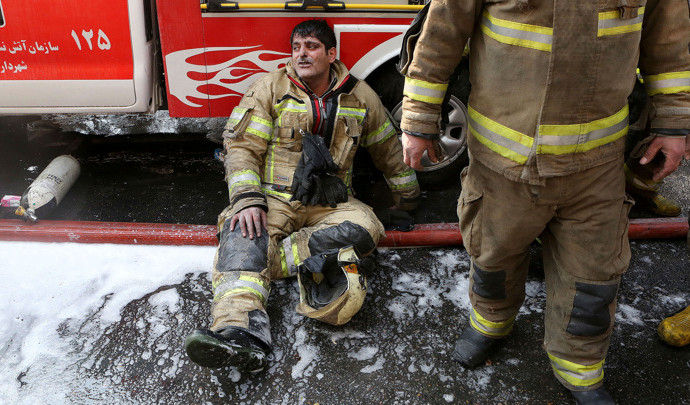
87,36
103,41
76,39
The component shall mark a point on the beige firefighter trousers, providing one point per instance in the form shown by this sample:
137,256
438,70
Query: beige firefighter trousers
582,221
244,268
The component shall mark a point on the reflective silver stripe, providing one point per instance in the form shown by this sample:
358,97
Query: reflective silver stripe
243,176
359,113
236,116
427,92
577,374
260,127
563,140
667,83
512,33
275,190
610,23
497,329
498,138
289,257
379,135
405,179
234,284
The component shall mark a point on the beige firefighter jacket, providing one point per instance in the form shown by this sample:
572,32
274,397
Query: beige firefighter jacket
263,142
550,79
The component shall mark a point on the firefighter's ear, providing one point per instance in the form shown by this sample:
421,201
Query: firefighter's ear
331,54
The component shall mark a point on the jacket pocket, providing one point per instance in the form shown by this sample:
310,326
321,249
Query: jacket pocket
237,122
346,138
621,257
470,215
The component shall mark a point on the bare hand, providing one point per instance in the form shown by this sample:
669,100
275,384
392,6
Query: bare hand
671,149
251,220
413,150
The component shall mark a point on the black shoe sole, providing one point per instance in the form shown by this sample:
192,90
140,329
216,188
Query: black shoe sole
208,351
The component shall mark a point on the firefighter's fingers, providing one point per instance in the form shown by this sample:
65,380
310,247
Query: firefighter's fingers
672,150
233,221
651,151
256,218
264,220
413,150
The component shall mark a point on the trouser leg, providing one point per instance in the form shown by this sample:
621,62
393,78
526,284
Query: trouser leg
499,219
586,251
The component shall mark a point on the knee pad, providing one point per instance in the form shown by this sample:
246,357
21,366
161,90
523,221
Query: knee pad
590,315
237,253
344,234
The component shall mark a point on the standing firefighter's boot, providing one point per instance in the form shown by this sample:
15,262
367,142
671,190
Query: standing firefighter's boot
226,347
472,347
675,330
599,396
646,193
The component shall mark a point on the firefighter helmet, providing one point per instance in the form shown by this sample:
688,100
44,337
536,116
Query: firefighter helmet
332,286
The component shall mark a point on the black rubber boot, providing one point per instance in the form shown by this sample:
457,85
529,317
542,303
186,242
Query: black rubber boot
599,396
472,347
226,347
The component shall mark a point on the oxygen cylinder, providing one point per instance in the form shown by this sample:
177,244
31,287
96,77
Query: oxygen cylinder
49,188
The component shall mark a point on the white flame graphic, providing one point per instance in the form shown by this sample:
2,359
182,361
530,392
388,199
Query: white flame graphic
183,87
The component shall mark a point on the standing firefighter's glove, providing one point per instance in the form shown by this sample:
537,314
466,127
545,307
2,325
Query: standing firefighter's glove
315,181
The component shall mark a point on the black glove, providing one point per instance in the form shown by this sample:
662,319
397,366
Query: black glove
314,181
395,220
329,190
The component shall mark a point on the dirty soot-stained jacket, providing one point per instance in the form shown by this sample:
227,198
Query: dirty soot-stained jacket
263,141
550,78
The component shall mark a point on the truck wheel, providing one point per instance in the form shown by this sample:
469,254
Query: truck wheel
388,83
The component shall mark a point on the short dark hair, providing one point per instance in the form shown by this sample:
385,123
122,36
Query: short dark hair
317,28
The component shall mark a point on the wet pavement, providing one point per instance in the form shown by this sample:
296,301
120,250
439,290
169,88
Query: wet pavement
395,351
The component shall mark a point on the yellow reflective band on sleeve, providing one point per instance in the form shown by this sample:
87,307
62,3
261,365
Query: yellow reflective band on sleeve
405,179
358,113
577,374
506,142
427,92
260,127
610,23
667,83
518,34
236,116
380,134
243,177
234,283
495,329
578,138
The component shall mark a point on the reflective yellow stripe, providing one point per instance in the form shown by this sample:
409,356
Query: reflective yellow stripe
243,177
234,283
379,135
283,263
610,23
291,256
270,159
577,138
577,374
506,142
420,90
518,34
358,113
405,179
496,329
286,196
667,83
288,105
236,116
260,127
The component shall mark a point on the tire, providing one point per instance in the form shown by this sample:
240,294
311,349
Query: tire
388,84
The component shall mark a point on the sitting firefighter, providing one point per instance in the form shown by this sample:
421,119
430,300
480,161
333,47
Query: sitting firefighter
290,145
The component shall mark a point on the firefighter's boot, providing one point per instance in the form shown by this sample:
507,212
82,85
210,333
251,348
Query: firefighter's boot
675,330
472,347
599,396
646,193
226,347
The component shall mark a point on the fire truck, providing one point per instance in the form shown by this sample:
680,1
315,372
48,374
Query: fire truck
181,60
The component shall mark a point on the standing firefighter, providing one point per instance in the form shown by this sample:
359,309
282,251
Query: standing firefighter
548,118
289,147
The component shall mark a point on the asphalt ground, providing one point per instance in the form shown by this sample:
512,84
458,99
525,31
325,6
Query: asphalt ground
395,351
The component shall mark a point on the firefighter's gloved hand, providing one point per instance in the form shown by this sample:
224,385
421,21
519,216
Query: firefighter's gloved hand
329,190
317,262
395,219
314,181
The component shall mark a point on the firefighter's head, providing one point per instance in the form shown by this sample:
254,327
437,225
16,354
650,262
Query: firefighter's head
313,50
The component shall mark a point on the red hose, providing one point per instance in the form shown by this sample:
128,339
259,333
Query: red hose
442,234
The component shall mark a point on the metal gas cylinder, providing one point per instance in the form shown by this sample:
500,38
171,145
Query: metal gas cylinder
49,188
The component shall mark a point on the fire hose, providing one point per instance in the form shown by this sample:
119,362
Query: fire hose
437,234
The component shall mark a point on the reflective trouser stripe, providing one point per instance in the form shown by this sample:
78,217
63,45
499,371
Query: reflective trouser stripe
506,142
577,138
667,83
266,188
260,127
235,283
405,179
496,329
577,374
518,34
289,257
236,116
358,113
421,90
379,135
243,177
610,23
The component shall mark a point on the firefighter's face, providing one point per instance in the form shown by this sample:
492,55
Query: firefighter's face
311,60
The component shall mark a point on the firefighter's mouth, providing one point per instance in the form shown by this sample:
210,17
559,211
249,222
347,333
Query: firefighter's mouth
304,63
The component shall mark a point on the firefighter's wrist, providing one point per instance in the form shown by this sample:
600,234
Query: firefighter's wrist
431,137
670,132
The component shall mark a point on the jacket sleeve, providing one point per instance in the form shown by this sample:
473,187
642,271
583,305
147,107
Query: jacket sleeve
438,49
380,138
245,139
665,63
